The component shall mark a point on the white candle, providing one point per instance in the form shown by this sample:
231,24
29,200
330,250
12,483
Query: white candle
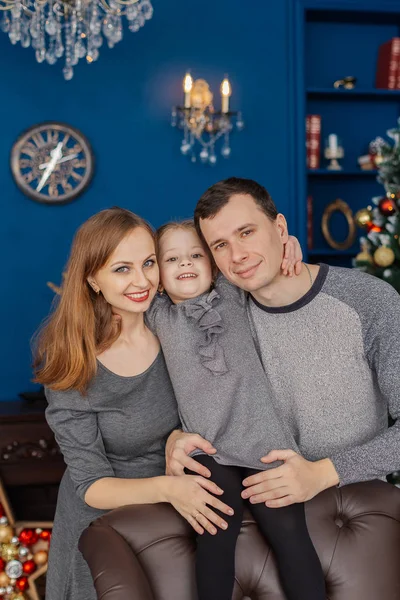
226,91
187,88
333,143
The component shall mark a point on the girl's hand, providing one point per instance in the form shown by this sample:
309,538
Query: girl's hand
293,256
191,496
179,446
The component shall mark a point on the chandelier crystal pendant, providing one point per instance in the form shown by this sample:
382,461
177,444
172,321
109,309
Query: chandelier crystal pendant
71,29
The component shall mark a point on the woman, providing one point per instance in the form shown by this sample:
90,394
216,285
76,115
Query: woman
111,404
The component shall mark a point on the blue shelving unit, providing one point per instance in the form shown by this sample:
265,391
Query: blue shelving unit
341,39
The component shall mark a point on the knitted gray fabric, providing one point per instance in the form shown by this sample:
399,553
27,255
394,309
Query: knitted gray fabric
218,379
333,361
118,430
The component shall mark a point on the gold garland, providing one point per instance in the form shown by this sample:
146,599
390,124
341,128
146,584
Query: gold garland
342,207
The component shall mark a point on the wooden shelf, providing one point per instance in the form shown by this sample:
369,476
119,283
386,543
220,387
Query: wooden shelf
356,93
338,174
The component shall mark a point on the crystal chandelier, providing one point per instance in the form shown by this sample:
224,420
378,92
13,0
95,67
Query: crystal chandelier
201,123
70,29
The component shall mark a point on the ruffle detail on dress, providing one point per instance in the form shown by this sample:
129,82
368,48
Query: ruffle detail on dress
210,322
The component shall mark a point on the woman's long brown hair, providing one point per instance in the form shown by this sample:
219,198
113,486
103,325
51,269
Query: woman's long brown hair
81,326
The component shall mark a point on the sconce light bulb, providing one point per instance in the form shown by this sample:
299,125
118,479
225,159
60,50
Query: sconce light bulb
226,89
187,83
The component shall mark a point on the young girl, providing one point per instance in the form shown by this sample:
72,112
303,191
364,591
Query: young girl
223,394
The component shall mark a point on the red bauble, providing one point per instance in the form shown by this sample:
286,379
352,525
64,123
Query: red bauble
45,535
22,584
2,511
29,566
373,227
2,564
28,537
387,207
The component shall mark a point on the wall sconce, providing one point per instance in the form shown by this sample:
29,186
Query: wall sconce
202,123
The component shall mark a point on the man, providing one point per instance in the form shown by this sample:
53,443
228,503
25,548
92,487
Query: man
328,342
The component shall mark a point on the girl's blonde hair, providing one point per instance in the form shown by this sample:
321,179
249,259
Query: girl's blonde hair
81,325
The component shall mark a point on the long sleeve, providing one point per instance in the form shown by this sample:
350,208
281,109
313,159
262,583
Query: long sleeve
76,430
380,318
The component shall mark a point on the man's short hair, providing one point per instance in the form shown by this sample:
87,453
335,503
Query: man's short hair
219,194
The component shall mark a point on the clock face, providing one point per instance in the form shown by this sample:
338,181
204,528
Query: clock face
52,163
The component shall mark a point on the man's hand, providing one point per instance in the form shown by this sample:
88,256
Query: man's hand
179,446
297,480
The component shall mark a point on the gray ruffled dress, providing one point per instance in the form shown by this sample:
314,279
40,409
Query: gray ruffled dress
218,379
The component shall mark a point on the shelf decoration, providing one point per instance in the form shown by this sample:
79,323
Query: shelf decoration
23,553
201,123
342,207
333,152
348,83
382,220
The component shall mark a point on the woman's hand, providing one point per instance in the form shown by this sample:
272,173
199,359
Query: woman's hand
190,496
292,258
179,446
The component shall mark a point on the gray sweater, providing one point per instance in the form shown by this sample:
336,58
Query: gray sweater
333,361
217,376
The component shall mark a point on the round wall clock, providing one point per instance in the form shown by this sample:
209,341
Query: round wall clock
52,163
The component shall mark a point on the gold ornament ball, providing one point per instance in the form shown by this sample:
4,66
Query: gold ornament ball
363,217
8,552
364,257
40,557
384,257
6,534
18,596
4,579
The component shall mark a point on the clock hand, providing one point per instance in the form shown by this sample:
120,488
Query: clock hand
63,159
55,154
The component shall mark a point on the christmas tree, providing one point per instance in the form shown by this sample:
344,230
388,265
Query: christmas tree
380,253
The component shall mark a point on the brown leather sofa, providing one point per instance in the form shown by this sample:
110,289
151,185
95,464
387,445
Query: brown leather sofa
147,552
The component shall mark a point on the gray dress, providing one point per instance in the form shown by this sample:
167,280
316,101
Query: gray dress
118,430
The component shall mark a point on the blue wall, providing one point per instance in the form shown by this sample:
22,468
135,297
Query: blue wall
122,103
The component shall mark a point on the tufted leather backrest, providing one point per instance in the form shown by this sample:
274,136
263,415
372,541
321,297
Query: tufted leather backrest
149,550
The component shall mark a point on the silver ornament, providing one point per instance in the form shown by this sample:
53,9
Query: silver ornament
23,551
3,521
15,540
14,569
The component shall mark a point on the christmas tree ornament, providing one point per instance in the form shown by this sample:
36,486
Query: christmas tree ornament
363,217
373,227
29,567
14,569
22,584
387,207
364,257
25,541
384,257
6,534
40,557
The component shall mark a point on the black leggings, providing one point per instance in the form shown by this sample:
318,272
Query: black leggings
285,529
